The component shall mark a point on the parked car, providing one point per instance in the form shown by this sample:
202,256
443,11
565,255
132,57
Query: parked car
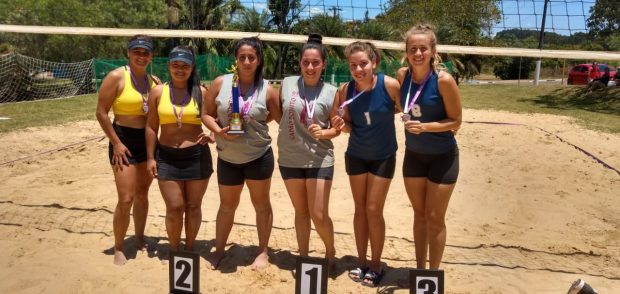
578,75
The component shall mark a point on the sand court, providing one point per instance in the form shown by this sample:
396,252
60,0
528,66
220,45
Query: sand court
530,213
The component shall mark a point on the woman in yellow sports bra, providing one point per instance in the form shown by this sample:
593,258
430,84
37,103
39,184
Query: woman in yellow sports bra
125,90
180,159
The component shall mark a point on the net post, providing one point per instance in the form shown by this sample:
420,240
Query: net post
540,43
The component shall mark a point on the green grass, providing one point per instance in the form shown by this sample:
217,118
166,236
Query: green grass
47,112
599,110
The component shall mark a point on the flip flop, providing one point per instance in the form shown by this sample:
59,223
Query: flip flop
373,278
357,274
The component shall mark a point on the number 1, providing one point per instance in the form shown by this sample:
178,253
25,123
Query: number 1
313,273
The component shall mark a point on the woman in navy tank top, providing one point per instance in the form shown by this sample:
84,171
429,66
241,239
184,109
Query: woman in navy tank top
366,106
431,105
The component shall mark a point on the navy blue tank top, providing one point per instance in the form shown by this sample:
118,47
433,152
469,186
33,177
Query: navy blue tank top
433,109
373,135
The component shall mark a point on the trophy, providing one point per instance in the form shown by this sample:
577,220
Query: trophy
236,125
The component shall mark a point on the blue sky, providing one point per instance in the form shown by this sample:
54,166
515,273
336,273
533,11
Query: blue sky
563,16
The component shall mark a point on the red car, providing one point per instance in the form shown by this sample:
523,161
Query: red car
578,75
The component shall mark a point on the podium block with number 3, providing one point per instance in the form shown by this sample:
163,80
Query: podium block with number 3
184,270
311,276
426,281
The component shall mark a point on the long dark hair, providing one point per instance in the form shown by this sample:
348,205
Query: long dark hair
193,84
255,43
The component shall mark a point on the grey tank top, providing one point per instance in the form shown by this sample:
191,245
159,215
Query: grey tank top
296,147
256,140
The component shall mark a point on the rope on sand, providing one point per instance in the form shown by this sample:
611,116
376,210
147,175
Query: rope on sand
98,138
606,165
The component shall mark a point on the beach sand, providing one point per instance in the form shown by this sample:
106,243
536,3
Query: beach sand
530,214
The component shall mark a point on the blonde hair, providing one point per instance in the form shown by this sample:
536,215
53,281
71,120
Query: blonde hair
424,29
367,47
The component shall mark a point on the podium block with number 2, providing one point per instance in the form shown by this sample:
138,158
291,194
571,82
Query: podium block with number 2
184,270
311,276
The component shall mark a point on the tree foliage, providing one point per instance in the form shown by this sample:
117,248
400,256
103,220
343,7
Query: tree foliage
457,22
604,18
81,13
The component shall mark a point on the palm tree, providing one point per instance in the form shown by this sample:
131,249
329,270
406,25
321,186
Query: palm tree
285,13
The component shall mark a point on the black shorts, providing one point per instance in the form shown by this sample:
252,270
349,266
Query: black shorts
438,168
232,174
184,164
134,140
383,168
325,173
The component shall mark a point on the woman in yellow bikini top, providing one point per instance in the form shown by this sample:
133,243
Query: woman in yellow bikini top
125,90
180,157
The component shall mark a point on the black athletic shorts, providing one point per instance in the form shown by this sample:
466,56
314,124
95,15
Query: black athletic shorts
383,168
134,140
232,174
325,173
438,168
184,164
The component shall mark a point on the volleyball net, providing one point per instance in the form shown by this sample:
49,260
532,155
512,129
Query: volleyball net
25,78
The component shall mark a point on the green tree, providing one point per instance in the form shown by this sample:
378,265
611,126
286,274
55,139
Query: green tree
95,13
250,20
604,18
284,15
327,26
457,22
511,68
208,15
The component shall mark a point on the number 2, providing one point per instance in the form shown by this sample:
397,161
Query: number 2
184,274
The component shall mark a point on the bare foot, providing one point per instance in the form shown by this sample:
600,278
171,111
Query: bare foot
214,259
119,257
331,266
261,261
140,244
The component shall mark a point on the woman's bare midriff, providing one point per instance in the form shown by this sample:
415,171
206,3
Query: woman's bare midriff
185,136
131,121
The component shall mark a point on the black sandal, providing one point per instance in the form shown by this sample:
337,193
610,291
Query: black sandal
357,274
372,278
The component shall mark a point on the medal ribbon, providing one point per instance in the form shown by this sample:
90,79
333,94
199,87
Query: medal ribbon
310,106
409,105
145,98
179,117
349,101
247,105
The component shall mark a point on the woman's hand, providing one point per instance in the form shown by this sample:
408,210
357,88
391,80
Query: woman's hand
315,131
204,139
224,134
337,122
414,127
120,156
151,168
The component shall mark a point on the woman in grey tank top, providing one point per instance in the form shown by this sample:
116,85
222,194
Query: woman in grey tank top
305,150
247,158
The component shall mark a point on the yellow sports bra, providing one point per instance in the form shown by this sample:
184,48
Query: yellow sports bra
130,101
191,114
